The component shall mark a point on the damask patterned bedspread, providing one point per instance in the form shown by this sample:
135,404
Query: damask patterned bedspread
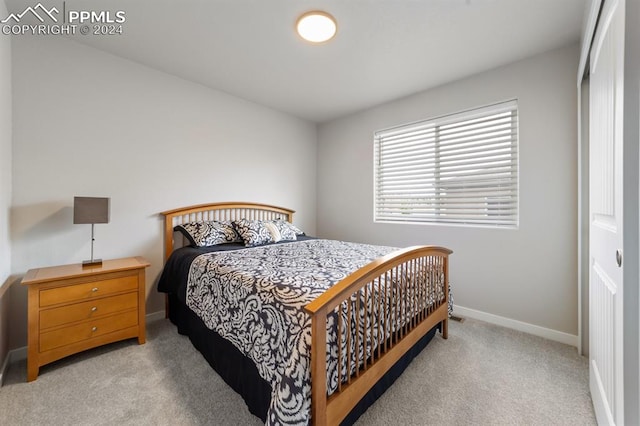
255,298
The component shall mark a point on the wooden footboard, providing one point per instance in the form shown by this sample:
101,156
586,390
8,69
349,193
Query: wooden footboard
377,314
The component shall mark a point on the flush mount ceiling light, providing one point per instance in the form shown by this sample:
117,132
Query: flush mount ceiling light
316,26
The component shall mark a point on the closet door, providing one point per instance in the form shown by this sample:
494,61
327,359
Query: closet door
605,215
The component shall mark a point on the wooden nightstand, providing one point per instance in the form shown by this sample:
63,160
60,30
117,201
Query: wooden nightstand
74,308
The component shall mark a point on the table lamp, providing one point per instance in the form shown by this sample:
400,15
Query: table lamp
91,210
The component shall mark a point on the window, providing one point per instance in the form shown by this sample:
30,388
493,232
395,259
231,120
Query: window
456,169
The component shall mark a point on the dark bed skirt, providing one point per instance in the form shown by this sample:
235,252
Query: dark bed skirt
241,374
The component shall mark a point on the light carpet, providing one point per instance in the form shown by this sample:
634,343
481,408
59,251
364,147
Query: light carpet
482,375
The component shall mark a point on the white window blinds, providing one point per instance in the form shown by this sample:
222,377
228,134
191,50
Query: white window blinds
458,169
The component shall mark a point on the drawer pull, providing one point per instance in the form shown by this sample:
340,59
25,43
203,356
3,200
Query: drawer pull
94,328
94,289
94,308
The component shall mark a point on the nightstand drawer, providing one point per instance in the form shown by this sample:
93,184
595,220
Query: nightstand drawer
86,310
90,290
87,330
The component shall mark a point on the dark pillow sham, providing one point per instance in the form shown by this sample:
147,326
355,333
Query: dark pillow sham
208,232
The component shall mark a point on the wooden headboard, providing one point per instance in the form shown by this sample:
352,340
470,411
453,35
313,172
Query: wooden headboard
219,211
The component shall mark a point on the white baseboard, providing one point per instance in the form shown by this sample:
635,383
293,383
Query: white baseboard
12,356
3,369
155,316
547,333
20,354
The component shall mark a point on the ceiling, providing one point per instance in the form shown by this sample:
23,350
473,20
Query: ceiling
384,49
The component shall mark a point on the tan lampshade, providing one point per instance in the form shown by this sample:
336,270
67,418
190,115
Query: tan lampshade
90,210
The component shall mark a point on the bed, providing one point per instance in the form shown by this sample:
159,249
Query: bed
347,318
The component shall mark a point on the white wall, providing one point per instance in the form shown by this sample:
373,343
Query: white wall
529,274
92,124
5,184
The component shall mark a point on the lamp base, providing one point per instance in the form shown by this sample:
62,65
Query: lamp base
92,262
